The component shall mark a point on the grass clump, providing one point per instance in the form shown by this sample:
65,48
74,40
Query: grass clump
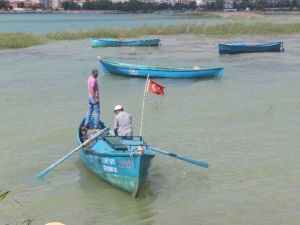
20,40
264,29
79,35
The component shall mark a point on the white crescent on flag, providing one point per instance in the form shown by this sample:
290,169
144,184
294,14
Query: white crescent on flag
155,87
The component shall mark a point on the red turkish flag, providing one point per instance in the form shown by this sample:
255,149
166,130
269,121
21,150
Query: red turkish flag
155,88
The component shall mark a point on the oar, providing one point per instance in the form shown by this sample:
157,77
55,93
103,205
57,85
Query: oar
181,157
51,167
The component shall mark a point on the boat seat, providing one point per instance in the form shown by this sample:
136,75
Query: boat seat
115,143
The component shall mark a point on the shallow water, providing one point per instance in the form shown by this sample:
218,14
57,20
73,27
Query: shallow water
246,125
40,23
53,22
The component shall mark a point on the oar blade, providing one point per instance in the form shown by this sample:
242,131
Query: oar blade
196,162
193,161
41,174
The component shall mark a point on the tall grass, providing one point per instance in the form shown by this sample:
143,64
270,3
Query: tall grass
22,40
219,30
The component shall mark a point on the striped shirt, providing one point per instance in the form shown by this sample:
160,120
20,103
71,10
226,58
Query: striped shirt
123,121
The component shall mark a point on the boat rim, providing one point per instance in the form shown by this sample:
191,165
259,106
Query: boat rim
132,66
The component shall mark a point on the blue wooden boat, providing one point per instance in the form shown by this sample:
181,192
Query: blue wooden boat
132,70
237,47
123,162
115,42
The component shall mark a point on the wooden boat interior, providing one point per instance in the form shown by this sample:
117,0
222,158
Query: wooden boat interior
116,143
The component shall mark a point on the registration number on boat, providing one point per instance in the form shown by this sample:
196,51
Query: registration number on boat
133,72
108,161
110,169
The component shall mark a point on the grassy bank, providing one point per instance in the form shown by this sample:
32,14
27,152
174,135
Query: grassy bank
22,40
220,30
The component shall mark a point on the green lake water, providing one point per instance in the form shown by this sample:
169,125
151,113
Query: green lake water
246,125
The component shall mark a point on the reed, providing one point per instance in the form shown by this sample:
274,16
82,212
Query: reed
20,40
3,195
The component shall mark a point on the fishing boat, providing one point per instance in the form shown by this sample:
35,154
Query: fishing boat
115,42
237,47
132,70
123,162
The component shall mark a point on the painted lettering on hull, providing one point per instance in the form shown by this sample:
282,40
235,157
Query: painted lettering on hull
108,161
108,165
133,72
110,169
126,164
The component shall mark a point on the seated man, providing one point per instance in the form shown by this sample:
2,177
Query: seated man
123,122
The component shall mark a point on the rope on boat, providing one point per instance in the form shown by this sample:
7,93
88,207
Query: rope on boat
138,151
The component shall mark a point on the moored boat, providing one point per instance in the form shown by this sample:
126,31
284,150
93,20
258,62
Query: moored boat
123,162
115,42
133,70
237,47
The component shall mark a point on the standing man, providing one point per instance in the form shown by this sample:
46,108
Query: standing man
93,99
123,122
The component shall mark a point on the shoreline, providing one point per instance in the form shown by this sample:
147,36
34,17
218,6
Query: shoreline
175,12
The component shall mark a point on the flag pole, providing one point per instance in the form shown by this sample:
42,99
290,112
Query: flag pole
144,97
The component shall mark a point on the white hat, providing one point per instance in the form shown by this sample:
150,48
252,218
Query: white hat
118,107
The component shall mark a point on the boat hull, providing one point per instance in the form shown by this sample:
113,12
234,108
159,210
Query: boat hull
124,169
123,172
112,42
240,47
132,70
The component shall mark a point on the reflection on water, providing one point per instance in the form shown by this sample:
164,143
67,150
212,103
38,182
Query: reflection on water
104,202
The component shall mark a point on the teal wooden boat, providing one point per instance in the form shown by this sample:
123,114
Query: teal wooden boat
115,42
237,47
123,162
132,70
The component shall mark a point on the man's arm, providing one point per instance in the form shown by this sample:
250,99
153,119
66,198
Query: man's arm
116,126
